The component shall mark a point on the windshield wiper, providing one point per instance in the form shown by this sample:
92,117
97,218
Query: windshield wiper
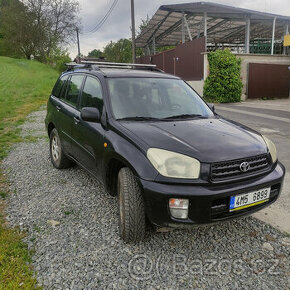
184,116
138,118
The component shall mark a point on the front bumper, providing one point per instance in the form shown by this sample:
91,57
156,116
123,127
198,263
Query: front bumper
207,203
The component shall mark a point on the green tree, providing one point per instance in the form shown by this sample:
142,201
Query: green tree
58,59
37,27
164,48
56,22
143,24
95,53
224,82
120,51
18,30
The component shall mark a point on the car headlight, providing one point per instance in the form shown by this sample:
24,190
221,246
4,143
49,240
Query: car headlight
172,164
272,148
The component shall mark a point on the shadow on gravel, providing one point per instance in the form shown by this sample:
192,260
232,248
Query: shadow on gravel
72,225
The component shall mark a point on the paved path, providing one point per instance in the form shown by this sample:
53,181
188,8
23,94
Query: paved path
272,119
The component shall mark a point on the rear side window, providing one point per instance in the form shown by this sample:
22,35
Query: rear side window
59,86
92,94
73,89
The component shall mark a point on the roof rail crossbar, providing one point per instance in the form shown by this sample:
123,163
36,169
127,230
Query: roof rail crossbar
113,66
74,65
119,64
99,64
130,67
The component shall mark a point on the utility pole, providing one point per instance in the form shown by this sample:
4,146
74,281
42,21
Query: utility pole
78,40
133,32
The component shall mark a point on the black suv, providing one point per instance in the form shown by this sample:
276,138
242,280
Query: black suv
148,136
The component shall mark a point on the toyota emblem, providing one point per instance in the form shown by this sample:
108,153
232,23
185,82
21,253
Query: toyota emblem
245,166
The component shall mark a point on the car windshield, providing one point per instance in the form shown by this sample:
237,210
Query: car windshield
155,99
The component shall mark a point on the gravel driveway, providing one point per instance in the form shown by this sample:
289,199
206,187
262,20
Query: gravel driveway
72,226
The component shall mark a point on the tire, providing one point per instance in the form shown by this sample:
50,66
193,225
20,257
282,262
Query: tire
132,217
57,156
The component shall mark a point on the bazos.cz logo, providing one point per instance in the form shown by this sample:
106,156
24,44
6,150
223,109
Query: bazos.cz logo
143,267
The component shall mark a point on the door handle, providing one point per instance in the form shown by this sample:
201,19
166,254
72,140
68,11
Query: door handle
77,120
58,108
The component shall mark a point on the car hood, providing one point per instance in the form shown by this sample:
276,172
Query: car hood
208,140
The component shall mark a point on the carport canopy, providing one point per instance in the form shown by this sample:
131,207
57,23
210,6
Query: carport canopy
221,24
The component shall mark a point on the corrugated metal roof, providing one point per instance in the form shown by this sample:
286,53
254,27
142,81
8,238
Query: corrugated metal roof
226,24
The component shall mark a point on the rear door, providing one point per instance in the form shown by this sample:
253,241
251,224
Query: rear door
57,98
89,137
68,109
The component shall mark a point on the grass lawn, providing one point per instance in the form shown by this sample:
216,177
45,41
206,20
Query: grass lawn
24,86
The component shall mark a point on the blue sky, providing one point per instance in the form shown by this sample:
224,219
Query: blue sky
118,24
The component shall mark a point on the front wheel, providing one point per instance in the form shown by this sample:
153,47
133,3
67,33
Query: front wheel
57,156
132,218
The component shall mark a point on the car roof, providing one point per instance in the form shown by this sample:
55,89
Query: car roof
123,73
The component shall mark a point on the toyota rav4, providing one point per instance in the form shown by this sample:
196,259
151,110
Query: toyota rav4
159,147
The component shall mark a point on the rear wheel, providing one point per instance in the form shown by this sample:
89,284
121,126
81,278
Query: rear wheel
57,156
132,218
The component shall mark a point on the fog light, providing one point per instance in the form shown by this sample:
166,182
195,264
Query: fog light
178,208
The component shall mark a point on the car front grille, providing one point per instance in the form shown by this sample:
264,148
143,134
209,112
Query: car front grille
231,169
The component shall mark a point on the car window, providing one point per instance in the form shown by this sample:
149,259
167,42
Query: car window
59,86
73,89
92,94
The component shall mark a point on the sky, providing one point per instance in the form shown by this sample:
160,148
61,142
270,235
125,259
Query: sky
119,22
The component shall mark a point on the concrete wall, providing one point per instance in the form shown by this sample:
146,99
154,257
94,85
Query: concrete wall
250,58
197,86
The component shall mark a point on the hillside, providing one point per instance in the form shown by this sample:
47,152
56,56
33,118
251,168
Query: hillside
24,86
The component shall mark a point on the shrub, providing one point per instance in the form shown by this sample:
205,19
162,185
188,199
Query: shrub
223,84
58,59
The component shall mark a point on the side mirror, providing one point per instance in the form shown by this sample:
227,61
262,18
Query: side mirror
211,107
90,114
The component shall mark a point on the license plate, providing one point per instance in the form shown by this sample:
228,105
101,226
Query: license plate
245,200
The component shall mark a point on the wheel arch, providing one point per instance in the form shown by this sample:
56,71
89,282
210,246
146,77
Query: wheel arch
50,127
113,165
124,151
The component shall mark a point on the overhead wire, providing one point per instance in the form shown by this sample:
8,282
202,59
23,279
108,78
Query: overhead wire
103,20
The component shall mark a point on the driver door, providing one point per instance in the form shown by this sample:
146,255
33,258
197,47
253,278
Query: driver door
88,149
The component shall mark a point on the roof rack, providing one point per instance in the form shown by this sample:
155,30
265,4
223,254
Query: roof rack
102,64
99,64
74,65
